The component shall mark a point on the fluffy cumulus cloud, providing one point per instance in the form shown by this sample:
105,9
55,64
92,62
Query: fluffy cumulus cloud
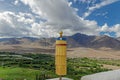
59,16
46,19
11,25
109,29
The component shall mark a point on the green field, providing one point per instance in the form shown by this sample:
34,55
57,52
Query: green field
41,66
10,73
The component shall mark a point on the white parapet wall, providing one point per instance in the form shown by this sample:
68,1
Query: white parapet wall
108,75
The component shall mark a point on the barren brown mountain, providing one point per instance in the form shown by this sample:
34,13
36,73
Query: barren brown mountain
79,45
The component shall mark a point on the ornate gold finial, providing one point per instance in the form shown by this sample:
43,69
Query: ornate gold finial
61,33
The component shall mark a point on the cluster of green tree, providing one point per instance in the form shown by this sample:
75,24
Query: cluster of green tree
77,67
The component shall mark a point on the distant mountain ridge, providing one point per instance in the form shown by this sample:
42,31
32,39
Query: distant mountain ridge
96,41
76,40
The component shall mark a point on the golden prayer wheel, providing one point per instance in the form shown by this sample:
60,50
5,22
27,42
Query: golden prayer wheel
60,56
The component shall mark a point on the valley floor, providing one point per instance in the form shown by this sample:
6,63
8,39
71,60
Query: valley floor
102,53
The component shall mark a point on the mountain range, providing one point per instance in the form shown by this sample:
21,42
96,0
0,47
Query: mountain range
76,40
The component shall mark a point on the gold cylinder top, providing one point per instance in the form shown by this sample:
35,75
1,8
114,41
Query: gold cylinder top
61,34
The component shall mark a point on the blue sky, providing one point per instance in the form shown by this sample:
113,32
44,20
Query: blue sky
45,18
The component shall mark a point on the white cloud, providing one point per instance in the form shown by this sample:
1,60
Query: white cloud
105,28
60,16
115,28
85,1
16,2
102,14
22,18
70,3
10,27
48,17
97,6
